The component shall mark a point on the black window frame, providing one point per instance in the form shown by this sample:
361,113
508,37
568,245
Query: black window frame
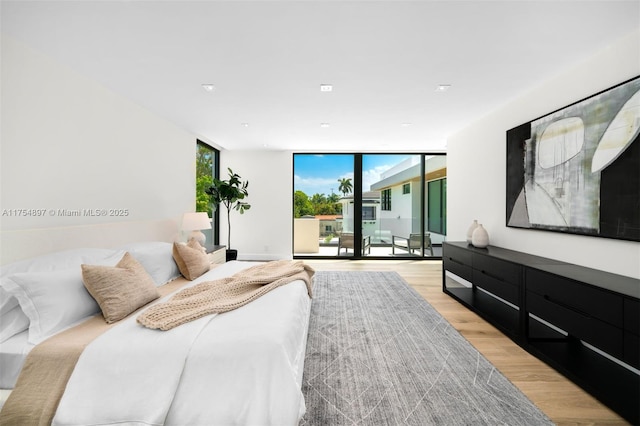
385,199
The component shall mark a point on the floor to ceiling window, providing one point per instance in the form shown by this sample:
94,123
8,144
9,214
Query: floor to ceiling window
321,220
435,177
207,168
369,205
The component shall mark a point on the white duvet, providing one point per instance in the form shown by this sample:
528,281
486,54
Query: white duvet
243,367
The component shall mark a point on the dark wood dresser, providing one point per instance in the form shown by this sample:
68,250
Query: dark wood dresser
583,322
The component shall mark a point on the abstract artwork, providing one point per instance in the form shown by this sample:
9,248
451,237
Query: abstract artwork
577,170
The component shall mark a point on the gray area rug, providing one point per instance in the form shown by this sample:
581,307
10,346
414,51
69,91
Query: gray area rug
379,354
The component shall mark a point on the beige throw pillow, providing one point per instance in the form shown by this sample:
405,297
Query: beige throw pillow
191,258
120,289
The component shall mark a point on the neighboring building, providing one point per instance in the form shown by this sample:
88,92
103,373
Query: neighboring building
330,224
400,202
370,215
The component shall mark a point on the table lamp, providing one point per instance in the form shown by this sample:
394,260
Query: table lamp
195,222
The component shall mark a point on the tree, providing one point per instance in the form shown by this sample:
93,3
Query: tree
318,199
203,203
301,205
204,178
230,194
345,186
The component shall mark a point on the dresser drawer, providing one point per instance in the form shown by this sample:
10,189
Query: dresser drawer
593,331
577,297
632,316
497,286
458,261
631,349
497,276
632,332
498,269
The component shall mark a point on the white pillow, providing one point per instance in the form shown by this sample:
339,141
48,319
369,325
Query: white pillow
7,302
53,301
49,262
12,319
13,322
157,259
65,259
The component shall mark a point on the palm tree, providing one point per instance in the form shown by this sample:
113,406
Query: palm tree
333,198
318,199
345,186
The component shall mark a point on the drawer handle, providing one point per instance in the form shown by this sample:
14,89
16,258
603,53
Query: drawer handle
456,261
490,275
569,307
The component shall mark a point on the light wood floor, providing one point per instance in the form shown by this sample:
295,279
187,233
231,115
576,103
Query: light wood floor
564,402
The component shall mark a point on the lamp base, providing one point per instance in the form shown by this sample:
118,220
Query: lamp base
198,236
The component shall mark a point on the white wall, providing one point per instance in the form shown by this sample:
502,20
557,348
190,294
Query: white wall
477,163
265,231
69,143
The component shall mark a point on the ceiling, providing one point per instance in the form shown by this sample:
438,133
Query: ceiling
268,59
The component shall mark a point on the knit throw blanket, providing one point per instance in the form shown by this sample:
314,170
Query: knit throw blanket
225,294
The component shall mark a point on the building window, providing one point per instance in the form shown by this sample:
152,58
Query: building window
368,213
385,200
406,188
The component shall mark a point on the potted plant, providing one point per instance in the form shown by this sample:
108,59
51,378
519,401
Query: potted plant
230,193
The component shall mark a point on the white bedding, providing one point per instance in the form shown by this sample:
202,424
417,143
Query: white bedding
13,352
241,367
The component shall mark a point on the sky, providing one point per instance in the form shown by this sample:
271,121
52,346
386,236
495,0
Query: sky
319,173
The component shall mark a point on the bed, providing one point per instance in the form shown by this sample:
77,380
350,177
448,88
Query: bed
242,366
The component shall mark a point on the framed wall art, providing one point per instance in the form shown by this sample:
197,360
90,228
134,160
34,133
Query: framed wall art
577,169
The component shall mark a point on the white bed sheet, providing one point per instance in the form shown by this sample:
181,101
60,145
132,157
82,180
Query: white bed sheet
241,367
13,352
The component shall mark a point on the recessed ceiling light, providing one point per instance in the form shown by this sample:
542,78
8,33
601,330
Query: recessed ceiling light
406,124
244,124
326,88
443,87
209,87
324,124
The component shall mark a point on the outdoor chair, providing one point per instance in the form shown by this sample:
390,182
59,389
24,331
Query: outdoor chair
412,243
346,241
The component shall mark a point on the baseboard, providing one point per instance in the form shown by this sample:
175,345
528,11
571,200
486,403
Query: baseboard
262,257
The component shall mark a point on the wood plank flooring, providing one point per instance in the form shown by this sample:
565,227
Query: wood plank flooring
564,402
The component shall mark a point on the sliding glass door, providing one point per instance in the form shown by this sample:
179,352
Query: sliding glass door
391,189
435,223
369,205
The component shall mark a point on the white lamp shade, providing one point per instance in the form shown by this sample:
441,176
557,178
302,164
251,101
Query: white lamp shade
196,221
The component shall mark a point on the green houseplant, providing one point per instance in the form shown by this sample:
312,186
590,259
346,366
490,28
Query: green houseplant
230,193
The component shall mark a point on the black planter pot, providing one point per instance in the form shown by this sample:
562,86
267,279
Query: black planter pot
232,255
